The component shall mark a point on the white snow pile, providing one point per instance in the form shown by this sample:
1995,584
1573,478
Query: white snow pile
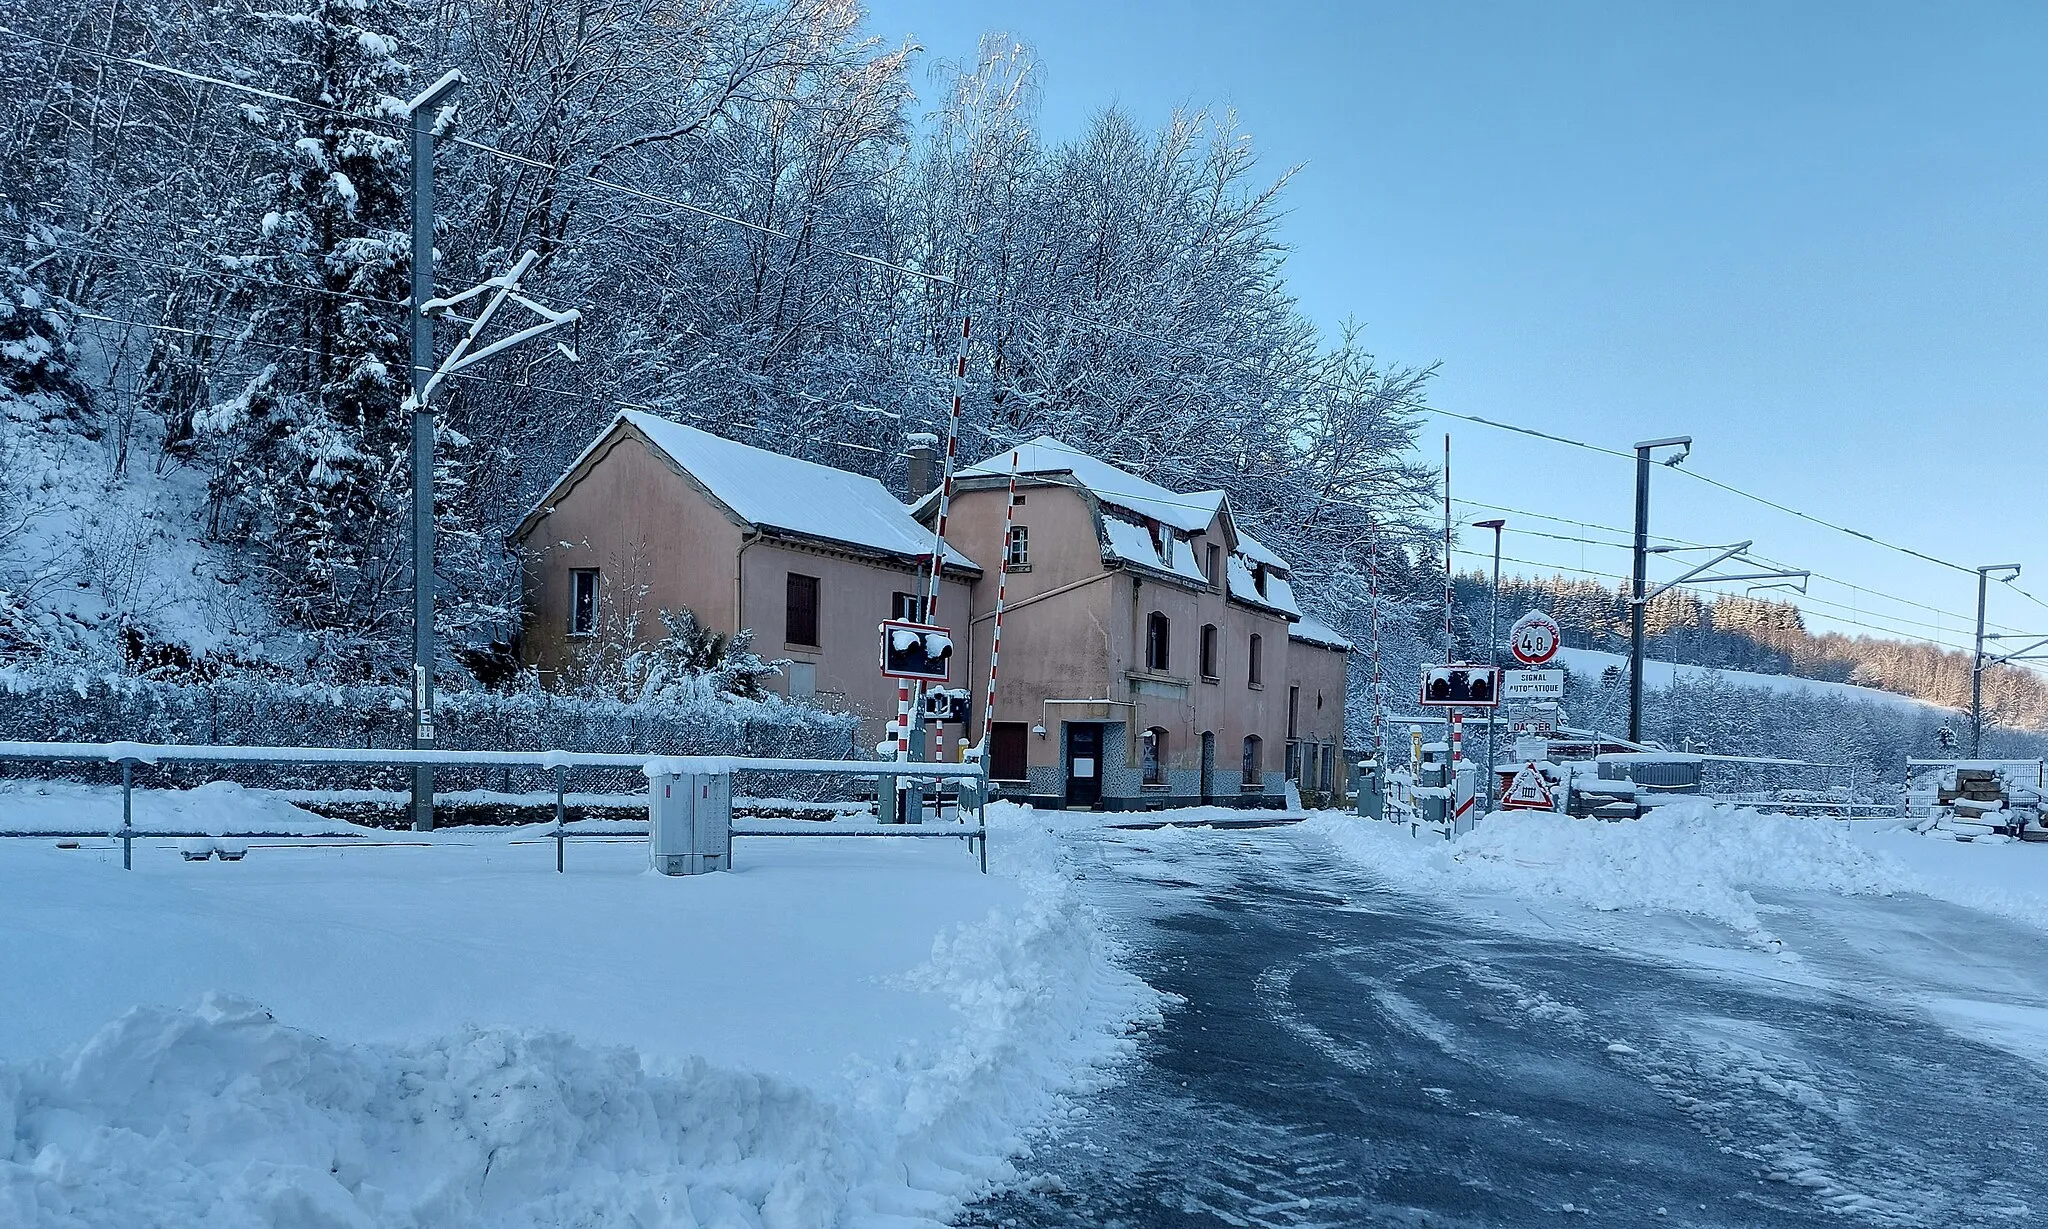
1689,856
217,808
221,1114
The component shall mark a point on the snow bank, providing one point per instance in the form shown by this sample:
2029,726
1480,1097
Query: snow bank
1689,856
219,808
838,1033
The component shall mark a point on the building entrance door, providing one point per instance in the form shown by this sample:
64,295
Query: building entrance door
1084,764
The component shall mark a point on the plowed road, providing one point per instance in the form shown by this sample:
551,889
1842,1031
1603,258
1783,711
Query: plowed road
1344,1055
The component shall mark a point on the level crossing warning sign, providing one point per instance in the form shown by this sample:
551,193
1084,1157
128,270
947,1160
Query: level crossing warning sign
1528,792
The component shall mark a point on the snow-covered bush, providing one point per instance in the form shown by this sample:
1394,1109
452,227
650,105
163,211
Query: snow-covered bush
37,353
688,719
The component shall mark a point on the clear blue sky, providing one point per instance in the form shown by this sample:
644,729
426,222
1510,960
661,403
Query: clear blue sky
1813,236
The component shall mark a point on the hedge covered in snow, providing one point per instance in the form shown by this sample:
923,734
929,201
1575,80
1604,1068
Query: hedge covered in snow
84,706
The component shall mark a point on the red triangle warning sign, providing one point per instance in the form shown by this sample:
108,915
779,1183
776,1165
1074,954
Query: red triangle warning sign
1528,792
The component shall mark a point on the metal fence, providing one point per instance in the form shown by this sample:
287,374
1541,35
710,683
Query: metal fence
82,707
129,757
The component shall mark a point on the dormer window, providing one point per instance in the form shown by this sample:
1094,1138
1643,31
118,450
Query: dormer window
1214,570
1259,579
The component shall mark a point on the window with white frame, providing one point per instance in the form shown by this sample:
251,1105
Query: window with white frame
1020,548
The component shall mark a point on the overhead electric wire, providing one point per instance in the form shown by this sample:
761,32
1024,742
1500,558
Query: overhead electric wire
690,207
61,246
1694,587
484,147
1823,576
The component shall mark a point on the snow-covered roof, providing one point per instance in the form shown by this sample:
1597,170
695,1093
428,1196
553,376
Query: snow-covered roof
1047,455
1279,595
1314,631
1133,544
771,491
1256,551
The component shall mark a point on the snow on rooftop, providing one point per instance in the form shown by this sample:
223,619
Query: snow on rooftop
1133,544
1279,595
1315,631
1257,551
778,492
1046,455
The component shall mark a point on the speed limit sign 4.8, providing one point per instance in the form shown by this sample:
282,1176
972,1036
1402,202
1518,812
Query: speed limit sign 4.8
1534,638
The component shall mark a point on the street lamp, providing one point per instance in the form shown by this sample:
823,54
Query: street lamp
1640,581
1493,652
2012,571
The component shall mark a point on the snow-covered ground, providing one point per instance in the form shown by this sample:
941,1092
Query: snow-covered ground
1866,907
1591,663
840,1031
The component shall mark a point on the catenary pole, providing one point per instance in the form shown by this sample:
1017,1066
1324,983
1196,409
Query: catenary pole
1638,585
425,112
1977,663
1639,574
1493,657
1379,704
1450,653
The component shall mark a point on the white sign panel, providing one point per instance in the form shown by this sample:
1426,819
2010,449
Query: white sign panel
1534,638
1531,686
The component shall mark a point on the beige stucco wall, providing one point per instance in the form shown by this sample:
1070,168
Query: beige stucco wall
1321,673
1075,631
854,597
657,544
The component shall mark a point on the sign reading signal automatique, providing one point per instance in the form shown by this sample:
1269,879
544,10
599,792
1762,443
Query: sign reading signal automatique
1531,686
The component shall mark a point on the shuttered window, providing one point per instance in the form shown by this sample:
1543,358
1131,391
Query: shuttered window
801,616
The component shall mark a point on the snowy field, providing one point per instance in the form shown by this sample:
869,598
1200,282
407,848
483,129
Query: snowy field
1590,663
841,1031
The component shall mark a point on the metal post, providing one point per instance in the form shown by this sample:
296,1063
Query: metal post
425,110
1638,585
127,815
1493,658
913,794
1978,663
1450,596
1639,580
1977,672
561,813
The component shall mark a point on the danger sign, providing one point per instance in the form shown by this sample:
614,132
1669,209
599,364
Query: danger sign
1534,638
1528,792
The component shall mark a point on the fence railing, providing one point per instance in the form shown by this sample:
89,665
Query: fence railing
132,755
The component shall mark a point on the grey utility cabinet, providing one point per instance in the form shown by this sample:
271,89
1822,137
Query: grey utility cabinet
689,822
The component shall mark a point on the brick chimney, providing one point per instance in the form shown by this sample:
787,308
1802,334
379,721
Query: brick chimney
924,464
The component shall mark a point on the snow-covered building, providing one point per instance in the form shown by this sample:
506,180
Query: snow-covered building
1153,652
656,516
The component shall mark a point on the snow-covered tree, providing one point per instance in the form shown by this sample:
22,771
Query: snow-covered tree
310,452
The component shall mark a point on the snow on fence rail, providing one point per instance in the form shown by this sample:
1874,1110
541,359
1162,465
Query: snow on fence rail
130,755
160,753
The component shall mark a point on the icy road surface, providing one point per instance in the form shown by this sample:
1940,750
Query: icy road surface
1349,1056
